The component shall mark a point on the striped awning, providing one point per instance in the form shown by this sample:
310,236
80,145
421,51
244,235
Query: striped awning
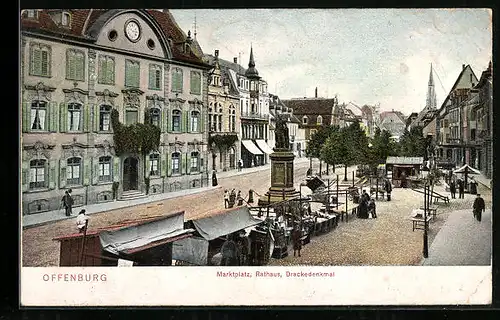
262,144
251,147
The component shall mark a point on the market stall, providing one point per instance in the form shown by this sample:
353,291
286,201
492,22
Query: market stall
405,170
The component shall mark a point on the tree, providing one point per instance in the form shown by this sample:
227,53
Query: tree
413,143
317,141
381,148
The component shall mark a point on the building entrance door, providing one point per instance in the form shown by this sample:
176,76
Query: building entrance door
130,174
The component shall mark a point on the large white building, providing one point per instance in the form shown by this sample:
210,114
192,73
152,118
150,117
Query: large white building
79,68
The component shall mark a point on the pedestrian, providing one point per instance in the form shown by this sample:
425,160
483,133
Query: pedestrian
388,189
460,188
232,198
67,202
453,189
240,198
229,251
372,208
240,164
214,178
478,207
297,244
473,186
82,221
363,205
226,199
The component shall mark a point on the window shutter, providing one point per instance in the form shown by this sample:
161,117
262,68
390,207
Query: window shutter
148,166
169,121
95,120
87,117
68,65
25,175
188,163
87,171
169,164
62,173
180,80
185,119
201,123
152,74
163,164
53,116
45,63
183,164
192,82
127,73
116,169
26,119
110,71
95,170
101,72
36,60
52,174
164,119
63,117
80,66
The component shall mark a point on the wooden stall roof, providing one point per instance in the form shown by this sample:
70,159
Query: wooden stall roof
123,224
405,160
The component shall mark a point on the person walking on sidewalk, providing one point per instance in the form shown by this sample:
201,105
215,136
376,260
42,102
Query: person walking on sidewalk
460,189
478,207
226,199
67,201
240,164
453,189
297,243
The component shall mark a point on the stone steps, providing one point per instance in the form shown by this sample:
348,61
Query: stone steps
132,195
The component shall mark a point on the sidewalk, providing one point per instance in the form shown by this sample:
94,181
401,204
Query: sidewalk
482,179
39,219
462,241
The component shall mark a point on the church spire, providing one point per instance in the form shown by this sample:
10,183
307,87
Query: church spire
431,93
251,71
251,63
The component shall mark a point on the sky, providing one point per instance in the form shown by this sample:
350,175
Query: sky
364,56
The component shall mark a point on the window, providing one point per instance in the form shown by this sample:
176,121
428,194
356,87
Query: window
132,73
242,83
232,118
155,73
37,174
319,120
246,84
105,169
210,115
176,159
176,120
195,115
304,120
75,65
196,82
32,14
176,80
65,19
40,60
73,170
473,134
131,116
154,116
38,113
219,123
74,116
195,161
104,118
154,161
106,71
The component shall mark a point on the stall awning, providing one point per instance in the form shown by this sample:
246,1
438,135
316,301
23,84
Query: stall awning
264,146
251,147
225,223
405,160
143,236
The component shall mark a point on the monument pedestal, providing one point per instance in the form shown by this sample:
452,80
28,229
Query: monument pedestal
281,178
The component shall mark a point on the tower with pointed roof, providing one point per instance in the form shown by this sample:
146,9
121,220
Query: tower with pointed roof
431,93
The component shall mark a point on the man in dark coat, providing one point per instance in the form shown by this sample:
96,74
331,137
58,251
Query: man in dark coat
297,244
67,201
478,207
388,189
453,189
460,189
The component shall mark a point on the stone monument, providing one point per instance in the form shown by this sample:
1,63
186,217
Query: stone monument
281,167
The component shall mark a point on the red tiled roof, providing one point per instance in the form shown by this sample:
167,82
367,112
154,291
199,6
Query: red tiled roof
312,106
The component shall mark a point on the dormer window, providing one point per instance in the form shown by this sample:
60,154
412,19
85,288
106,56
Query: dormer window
65,19
304,120
32,14
319,120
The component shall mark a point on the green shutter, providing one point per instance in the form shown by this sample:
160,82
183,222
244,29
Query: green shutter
183,163
152,77
110,71
53,116
116,169
45,63
52,174
95,120
80,66
192,82
25,175
127,73
101,72
87,117
63,117
62,173
163,119
180,80
185,118
87,171
26,119
95,170
163,164
169,166
37,61
188,163
169,121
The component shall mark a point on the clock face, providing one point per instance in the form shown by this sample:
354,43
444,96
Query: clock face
133,31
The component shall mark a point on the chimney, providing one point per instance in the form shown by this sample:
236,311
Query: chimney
463,66
316,92
235,59
216,53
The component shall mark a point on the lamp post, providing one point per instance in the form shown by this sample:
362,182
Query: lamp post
426,239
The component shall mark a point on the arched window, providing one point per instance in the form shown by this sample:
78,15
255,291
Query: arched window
176,161
232,118
105,169
154,116
195,161
104,118
304,120
66,19
210,115
38,114
74,116
176,120
37,174
319,120
154,164
73,170
195,115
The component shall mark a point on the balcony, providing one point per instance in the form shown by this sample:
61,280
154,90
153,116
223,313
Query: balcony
254,116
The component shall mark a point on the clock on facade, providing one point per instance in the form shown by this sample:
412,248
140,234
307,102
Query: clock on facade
132,30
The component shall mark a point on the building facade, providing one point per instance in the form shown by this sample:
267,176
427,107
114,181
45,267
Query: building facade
394,122
80,67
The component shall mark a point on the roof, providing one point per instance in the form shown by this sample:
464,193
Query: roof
404,160
312,107
210,59
225,222
455,85
86,24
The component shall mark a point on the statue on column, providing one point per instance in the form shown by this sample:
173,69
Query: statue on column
281,133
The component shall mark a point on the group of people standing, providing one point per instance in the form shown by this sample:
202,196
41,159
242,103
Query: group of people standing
366,206
460,185
230,198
